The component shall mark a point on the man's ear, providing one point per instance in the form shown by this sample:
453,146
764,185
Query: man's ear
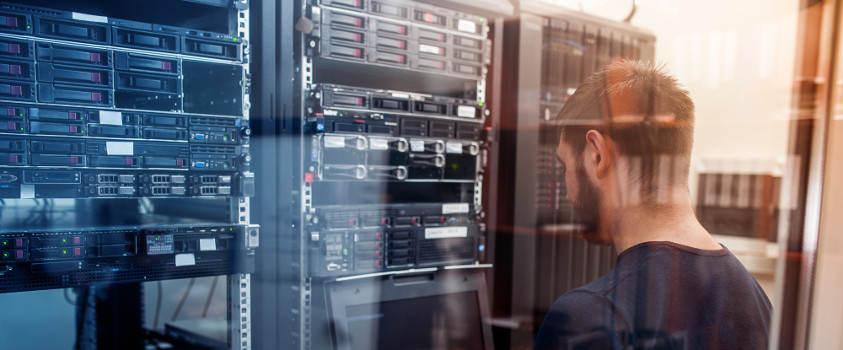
599,152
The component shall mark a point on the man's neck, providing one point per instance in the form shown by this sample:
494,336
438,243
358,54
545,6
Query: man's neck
674,222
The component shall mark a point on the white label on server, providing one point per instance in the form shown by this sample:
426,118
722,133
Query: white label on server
436,50
89,18
454,208
445,232
120,148
466,111
379,144
254,241
111,118
185,259
207,244
466,26
416,145
400,95
334,142
453,147
27,191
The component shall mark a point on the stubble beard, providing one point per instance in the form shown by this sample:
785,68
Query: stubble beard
587,208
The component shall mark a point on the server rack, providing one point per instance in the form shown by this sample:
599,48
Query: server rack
129,129
390,173
551,51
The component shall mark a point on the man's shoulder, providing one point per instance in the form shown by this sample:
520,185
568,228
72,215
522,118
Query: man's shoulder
577,313
578,310
579,299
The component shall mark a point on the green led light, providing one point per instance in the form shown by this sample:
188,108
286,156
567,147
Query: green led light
5,255
231,228
479,103
5,243
64,252
235,39
345,251
28,27
64,240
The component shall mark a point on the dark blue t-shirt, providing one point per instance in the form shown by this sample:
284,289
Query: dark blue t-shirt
663,295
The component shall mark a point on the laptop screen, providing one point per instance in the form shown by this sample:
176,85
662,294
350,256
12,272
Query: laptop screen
430,310
447,321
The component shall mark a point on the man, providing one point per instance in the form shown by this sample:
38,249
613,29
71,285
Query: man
626,141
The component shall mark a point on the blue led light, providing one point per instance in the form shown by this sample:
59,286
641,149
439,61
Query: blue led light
115,269
320,126
481,248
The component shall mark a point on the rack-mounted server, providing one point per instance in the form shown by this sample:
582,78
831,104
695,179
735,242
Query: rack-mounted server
399,34
379,238
38,259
